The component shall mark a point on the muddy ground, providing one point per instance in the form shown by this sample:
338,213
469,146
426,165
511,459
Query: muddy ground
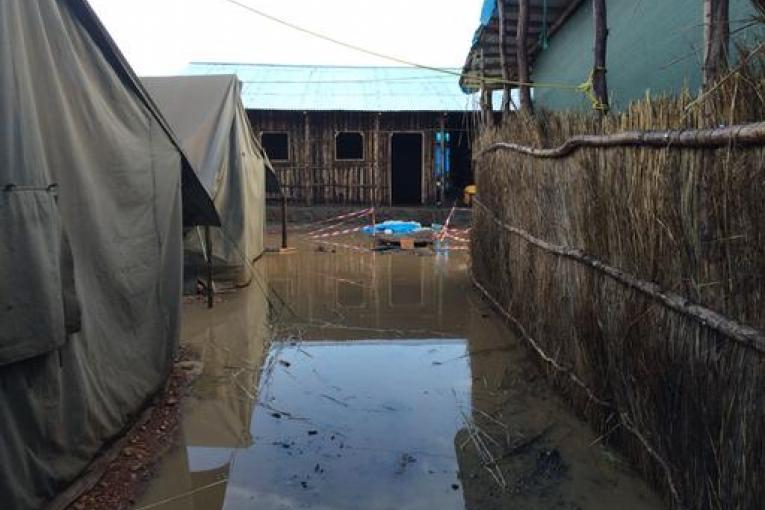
346,379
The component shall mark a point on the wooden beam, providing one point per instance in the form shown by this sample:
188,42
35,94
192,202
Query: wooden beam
600,26
522,56
740,135
503,59
716,39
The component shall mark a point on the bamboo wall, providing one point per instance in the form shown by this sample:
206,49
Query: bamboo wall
684,400
312,175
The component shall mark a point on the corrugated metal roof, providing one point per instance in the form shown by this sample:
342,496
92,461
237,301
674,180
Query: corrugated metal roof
483,60
380,89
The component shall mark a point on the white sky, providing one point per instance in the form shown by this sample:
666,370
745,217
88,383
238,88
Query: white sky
162,36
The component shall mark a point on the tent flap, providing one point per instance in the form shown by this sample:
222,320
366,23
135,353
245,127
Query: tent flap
31,297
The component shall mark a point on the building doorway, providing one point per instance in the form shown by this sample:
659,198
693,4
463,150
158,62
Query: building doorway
406,168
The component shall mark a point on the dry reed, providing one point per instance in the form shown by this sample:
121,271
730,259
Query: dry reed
690,220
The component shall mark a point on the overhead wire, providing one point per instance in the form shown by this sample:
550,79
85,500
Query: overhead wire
469,79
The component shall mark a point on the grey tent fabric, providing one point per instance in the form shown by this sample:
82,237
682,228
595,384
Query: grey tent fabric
94,191
207,115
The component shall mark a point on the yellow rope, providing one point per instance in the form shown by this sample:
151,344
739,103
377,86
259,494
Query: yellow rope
588,89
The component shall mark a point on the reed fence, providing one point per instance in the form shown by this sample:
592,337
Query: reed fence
636,268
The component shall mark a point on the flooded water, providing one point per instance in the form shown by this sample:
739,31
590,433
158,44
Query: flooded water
357,380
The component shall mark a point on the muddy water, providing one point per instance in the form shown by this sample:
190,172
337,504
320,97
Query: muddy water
352,380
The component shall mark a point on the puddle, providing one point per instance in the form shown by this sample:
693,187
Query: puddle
355,424
388,383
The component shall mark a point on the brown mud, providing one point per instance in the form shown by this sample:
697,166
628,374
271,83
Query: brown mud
346,379
119,476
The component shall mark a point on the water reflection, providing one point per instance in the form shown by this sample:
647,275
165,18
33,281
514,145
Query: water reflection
346,425
363,403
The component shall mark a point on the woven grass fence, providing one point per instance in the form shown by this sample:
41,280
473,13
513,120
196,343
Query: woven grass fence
637,272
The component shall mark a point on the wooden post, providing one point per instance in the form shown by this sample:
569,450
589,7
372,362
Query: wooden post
442,183
374,228
310,174
376,165
600,25
284,222
506,98
716,39
487,108
522,49
209,246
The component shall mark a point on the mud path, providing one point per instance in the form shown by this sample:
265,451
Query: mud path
351,380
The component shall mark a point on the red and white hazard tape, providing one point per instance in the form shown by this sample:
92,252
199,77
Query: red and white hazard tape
445,228
456,238
342,218
361,212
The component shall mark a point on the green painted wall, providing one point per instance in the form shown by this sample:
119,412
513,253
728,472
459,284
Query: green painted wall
653,45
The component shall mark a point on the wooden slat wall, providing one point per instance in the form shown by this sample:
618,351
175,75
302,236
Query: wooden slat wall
313,176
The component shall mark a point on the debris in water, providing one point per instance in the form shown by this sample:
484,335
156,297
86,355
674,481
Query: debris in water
314,432
404,461
333,399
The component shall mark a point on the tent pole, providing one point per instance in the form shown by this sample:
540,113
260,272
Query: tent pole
208,242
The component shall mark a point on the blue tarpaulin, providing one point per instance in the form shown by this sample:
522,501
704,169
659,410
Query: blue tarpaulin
487,11
393,227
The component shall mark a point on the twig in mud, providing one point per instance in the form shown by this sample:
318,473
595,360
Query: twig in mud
491,418
603,436
484,454
523,445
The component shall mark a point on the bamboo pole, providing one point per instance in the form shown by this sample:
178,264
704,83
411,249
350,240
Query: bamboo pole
506,98
600,26
744,134
743,334
522,51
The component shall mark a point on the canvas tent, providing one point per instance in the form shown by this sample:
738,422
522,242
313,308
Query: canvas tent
94,193
207,114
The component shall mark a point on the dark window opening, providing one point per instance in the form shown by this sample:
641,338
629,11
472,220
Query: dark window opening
349,146
276,145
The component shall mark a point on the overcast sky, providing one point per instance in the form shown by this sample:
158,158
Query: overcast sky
162,36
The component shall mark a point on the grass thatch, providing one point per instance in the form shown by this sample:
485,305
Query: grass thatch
693,221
